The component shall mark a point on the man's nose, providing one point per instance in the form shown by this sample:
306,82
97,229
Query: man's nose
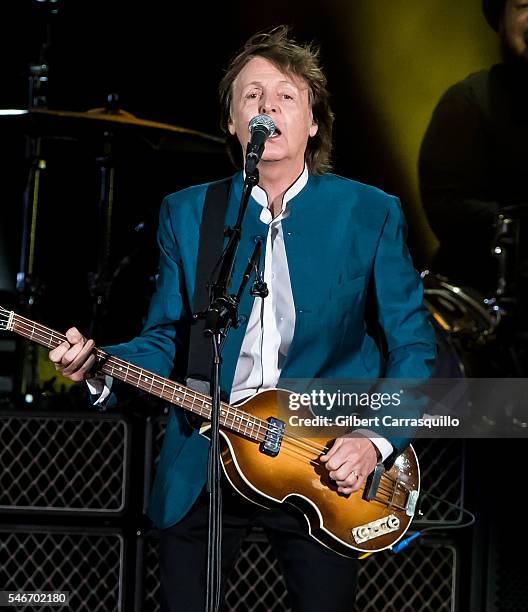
267,107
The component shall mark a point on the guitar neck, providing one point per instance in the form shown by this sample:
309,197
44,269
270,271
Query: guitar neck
179,395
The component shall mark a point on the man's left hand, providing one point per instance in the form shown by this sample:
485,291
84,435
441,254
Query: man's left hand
350,461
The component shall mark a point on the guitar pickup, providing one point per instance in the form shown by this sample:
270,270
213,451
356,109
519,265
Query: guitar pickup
273,437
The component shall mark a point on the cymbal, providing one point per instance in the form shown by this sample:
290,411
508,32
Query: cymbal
72,124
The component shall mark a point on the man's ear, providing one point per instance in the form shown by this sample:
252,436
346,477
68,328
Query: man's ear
231,127
313,129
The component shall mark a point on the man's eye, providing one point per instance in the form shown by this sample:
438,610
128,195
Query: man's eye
287,96
252,95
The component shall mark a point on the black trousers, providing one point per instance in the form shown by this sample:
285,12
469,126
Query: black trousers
317,579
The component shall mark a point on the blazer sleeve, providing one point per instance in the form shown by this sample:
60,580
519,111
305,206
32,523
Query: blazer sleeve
405,325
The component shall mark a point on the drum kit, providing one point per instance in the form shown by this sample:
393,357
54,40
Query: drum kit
485,336
113,131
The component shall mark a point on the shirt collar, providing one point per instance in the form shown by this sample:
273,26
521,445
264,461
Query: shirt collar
262,197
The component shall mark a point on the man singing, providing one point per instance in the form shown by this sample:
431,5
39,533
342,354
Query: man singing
329,242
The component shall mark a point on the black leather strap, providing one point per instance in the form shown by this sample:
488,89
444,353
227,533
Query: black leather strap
209,251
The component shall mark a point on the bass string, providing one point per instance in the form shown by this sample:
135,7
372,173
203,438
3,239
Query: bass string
40,332
388,486
36,330
303,444
43,333
382,488
376,499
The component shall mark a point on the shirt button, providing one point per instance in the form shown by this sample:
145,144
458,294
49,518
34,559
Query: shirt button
258,238
242,319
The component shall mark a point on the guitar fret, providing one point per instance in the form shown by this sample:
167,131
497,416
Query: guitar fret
248,426
238,421
179,399
176,394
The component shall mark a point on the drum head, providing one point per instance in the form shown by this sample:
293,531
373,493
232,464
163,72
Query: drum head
463,323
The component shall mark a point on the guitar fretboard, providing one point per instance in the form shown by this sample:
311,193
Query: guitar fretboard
179,395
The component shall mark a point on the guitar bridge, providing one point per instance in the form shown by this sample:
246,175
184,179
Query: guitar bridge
273,437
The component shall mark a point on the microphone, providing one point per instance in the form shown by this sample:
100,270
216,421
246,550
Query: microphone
261,128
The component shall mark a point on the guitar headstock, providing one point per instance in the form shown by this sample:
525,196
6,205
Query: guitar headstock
5,318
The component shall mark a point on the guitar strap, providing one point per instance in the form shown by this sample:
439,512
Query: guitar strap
212,232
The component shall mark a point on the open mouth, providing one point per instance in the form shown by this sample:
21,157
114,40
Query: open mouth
276,134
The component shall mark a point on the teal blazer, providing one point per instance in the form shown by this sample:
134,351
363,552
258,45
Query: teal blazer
339,235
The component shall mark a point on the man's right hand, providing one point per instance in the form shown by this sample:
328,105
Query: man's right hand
74,357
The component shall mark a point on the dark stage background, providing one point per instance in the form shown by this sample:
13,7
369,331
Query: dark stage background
385,68
387,64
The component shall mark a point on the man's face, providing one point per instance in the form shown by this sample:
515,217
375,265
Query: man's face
261,88
514,25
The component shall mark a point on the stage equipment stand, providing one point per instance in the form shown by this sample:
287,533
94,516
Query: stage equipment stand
220,316
27,284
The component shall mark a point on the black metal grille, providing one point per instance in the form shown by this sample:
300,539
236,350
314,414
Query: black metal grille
63,463
148,580
442,472
421,579
256,582
88,564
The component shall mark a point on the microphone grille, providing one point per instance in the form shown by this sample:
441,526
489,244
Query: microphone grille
264,121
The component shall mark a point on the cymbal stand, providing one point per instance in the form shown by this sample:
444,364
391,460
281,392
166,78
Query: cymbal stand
100,280
505,250
27,285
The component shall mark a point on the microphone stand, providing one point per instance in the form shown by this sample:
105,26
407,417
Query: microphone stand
220,316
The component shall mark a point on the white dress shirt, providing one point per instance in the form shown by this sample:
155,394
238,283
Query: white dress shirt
270,327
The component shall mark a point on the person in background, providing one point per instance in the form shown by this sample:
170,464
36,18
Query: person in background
474,156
